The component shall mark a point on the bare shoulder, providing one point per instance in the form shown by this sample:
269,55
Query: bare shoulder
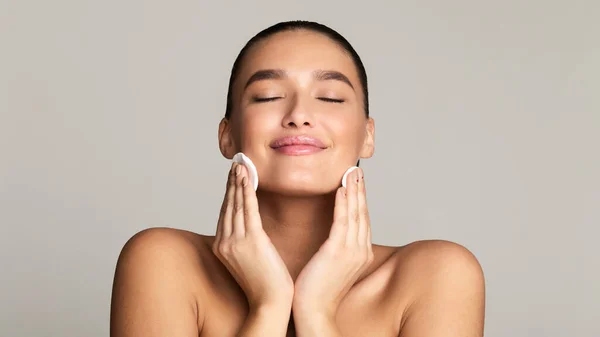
441,283
163,247
173,238
156,280
427,258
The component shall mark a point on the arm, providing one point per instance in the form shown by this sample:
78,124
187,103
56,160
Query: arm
337,265
314,324
244,248
152,294
451,300
266,321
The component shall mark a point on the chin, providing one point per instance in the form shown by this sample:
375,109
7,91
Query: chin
298,188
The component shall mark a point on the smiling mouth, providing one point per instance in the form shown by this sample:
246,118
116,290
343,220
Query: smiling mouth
298,145
298,149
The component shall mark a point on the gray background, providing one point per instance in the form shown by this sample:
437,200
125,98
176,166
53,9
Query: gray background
487,134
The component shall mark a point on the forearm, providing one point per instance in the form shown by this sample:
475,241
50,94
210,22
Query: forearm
315,325
266,321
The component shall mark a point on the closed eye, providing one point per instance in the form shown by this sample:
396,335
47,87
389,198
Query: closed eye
270,99
331,100
264,99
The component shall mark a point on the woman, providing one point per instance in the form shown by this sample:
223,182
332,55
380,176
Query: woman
304,264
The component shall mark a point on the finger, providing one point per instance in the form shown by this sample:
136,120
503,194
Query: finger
251,214
223,209
369,244
353,214
369,239
340,216
363,211
225,219
238,206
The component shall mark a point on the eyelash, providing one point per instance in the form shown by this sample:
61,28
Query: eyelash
331,100
267,99
270,99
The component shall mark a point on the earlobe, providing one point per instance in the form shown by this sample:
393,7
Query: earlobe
226,144
368,147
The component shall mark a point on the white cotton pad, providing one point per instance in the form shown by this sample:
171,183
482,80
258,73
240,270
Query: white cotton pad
346,174
243,159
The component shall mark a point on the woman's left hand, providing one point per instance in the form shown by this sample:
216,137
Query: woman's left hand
344,256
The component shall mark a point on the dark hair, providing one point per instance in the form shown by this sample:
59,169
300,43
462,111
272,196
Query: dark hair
299,25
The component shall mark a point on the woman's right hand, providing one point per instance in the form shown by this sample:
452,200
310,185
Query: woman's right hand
244,248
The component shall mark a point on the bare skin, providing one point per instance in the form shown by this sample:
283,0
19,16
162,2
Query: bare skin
194,295
272,269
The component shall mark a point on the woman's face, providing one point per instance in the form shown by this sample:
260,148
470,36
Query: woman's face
298,84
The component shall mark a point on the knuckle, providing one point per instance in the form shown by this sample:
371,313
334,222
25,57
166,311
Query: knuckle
237,249
230,179
343,221
346,250
237,208
365,213
218,250
230,203
356,216
341,226
224,248
238,179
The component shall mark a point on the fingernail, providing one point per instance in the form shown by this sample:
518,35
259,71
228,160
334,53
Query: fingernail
238,169
244,181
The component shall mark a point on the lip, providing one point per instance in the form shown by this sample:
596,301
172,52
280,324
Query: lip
297,140
298,145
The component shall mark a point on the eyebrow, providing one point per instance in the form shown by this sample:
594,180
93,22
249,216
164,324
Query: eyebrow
278,74
325,75
266,74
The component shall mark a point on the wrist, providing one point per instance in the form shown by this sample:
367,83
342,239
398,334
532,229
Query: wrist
274,302
315,323
305,311
312,308
279,308
266,320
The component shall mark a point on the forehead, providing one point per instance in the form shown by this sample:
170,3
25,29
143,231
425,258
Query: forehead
298,52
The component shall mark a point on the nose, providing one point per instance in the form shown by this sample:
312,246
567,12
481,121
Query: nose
299,114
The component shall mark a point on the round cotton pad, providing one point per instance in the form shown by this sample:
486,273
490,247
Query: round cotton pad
346,174
243,159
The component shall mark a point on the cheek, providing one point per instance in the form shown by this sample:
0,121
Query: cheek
256,126
347,132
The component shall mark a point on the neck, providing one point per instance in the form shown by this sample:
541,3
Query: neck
297,226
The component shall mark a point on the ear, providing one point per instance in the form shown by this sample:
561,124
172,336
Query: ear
226,142
368,147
